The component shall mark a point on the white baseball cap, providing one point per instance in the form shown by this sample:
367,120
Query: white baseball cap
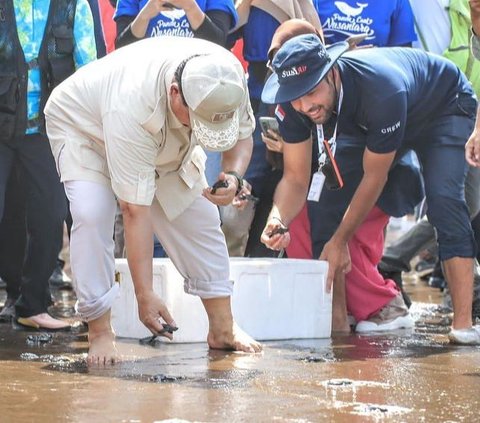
213,87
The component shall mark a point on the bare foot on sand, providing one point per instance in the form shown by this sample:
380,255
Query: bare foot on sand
101,339
224,334
234,339
102,350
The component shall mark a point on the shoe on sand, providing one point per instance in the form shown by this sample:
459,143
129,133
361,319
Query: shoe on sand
393,316
43,321
470,336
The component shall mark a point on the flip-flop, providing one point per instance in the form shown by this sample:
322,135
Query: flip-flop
30,324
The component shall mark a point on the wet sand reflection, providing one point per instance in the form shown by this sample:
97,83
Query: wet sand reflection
410,376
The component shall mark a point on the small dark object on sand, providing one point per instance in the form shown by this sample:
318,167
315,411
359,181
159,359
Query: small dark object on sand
150,340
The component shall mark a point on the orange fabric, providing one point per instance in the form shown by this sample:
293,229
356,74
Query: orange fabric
109,26
237,50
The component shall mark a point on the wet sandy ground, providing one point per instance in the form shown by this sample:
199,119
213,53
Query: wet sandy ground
407,376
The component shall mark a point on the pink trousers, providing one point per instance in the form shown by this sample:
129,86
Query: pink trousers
366,289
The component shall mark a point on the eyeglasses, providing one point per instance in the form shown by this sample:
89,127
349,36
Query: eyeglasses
329,167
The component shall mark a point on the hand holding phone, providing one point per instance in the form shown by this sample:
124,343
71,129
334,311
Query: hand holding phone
268,123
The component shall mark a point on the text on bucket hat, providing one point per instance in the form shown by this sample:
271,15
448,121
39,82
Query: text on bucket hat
213,87
299,66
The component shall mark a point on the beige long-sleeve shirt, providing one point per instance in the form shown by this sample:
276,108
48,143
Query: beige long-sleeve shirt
111,123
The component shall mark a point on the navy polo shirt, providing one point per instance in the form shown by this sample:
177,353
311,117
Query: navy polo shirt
390,95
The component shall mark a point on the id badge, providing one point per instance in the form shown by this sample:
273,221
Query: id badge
316,186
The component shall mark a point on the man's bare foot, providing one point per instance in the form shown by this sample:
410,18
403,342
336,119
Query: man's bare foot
101,340
102,349
224,334
234,339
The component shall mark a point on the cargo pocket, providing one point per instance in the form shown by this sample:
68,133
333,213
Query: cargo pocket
63,39
62,66
9,97
192,170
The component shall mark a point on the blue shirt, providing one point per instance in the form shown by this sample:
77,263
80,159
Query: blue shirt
173,22
387,22
390,95
257,37
31,17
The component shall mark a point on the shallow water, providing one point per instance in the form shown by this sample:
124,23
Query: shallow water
406,376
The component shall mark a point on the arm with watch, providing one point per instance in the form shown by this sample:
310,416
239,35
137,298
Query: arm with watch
230,181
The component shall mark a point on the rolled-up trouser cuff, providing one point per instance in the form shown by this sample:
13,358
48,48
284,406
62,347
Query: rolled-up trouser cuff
208,289
465,248
93,309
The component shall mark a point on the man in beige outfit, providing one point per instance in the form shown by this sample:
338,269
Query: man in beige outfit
132,126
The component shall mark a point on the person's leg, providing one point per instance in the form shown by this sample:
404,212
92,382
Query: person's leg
13,235
12,230
472,199
196,246
235,226
93,208
375,302
254,247
447,211
326,214
367,290
398,254
46,211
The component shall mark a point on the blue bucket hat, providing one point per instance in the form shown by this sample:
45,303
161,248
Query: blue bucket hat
299,66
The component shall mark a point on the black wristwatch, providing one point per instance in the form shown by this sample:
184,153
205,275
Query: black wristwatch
239,180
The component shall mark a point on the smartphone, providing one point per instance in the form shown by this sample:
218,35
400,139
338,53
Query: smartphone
266,123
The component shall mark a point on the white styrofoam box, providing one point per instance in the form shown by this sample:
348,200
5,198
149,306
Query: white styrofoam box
273,299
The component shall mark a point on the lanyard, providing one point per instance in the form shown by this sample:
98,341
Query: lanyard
322,155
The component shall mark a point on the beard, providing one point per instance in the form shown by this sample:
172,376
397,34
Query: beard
323,116
319,114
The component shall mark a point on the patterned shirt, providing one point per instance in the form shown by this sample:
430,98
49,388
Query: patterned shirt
31,17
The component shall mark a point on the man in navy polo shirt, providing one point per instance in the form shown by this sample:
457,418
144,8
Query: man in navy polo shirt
386,101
